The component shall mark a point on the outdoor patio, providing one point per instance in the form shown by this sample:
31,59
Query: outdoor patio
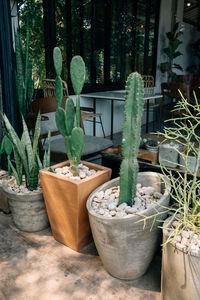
33,266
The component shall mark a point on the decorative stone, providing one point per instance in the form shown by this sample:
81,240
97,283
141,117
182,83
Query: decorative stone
130,210
82,174
157,195
111,206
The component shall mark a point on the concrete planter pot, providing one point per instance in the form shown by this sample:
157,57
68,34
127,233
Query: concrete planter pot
28,210
191,162
125,248
180,273
65,201
4,180
168,154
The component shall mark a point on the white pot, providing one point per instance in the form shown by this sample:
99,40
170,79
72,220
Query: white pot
125,247
180,273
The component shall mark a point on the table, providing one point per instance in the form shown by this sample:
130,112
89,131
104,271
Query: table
118,95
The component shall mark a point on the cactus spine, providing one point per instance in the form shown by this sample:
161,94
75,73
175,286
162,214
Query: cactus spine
131,137
74,136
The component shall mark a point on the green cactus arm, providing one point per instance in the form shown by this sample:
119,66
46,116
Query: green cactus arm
77,141
69,116
77,73
131,137
60,121
68,146
59,90
57,58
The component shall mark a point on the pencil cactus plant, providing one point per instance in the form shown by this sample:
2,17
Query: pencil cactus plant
131,137
74,136
26,156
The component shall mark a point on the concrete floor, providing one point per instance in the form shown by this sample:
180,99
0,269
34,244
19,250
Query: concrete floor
33,266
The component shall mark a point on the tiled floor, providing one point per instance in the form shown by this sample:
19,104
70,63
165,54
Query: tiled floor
33,266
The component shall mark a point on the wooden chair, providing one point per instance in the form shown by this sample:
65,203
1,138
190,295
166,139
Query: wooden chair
170,90
47,107
87,113
148,81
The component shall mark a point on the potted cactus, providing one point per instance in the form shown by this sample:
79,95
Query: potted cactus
25,197
126,247
66,186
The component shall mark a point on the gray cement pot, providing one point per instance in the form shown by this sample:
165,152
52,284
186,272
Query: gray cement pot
125,248
180,273
28,210
4,179
191,162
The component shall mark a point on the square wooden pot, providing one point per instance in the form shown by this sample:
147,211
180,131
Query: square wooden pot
65,201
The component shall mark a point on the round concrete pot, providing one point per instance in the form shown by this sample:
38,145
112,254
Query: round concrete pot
124,246
4,180
28,210
180,273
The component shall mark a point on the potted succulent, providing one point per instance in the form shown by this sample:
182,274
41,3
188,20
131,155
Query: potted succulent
126,247
5,176
25,198
181,232
66,186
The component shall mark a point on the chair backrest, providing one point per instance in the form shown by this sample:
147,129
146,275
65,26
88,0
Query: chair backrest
47,107
171,89
49,88
148,81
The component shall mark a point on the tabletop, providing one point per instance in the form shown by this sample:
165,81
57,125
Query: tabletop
117,95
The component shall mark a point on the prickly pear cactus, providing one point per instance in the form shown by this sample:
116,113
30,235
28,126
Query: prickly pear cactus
131,137
77,72
74,137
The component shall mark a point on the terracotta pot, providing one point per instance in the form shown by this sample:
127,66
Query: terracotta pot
124,246
180,273
65,201
28,210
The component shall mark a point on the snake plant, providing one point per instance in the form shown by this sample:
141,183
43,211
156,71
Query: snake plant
26,156
23,72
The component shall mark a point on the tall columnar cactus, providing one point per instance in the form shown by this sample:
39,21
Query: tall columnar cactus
131,137
23,73
74,136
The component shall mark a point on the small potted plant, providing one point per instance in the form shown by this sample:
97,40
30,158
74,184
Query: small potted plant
25,197
181,231
67,185
5,176
126,247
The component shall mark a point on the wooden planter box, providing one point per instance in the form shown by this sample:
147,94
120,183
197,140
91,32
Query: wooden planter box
65,201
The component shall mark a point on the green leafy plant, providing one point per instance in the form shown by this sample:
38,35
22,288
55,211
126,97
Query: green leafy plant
7,148
172,52
74,136
26,156
134,104
185,185
23,72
